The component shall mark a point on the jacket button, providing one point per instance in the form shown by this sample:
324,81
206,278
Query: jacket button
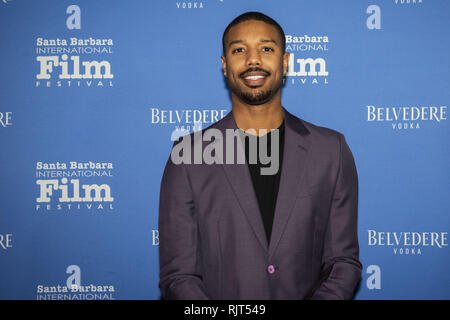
271,269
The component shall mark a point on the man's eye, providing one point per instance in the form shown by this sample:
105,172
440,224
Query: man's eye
237,50
267,49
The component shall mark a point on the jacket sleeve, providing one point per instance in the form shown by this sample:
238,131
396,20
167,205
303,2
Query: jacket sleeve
180,275
341,269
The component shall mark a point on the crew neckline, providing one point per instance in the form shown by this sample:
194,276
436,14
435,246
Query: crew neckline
281,127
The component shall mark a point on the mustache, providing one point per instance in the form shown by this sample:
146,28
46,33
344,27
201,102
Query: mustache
242,74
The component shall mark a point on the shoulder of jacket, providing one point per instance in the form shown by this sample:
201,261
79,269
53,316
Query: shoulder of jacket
322,133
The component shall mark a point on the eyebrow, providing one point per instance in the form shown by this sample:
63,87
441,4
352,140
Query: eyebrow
241,41
234,42
268,40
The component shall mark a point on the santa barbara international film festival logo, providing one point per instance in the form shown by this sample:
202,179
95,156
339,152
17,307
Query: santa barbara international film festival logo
408,242
307,64
74,290
73,61
72,186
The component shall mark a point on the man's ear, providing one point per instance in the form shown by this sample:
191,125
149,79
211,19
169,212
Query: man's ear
285,62
224,65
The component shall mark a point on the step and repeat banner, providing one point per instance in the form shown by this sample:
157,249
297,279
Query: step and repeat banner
93,93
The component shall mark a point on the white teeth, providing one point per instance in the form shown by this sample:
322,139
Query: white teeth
254,77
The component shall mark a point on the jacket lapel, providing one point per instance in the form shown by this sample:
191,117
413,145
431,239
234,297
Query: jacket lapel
294,165
238,176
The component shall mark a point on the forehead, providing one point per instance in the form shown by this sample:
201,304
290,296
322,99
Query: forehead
253,30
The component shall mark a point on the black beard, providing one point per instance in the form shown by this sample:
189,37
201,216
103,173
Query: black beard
254,99
257,98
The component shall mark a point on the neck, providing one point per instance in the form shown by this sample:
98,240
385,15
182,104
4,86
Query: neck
267,116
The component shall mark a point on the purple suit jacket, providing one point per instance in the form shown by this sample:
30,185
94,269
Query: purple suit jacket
212,239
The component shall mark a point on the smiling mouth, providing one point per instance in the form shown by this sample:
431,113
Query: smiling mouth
254,78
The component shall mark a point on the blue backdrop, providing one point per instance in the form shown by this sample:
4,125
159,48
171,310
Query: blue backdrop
92,91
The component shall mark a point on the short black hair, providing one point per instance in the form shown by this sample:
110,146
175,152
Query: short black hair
258,16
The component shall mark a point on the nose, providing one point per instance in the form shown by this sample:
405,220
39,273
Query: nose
253,58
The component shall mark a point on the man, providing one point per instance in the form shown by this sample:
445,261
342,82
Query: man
228,231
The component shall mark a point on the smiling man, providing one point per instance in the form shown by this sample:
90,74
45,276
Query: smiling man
231,231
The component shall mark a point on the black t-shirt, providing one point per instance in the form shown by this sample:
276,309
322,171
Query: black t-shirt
266,186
